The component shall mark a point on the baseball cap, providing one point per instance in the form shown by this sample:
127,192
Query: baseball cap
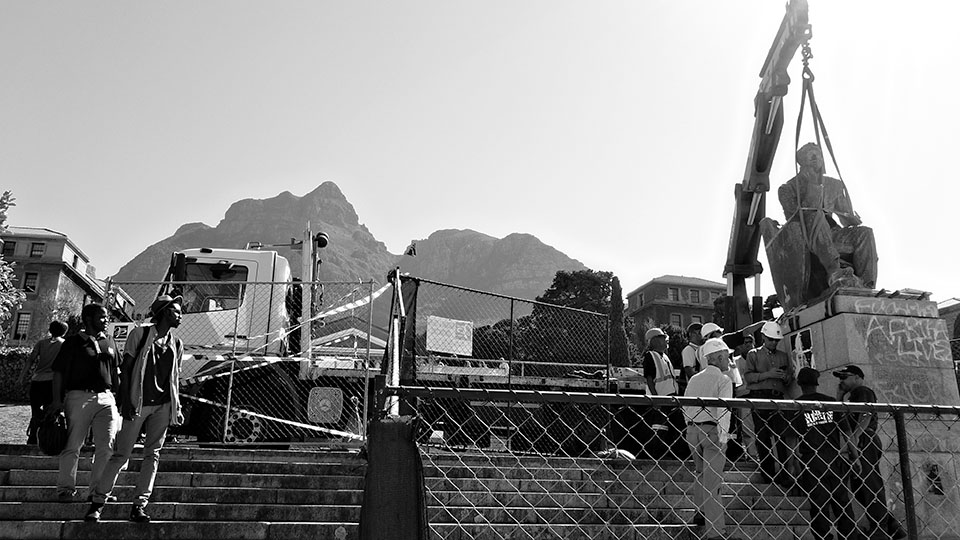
808,377
846,371
654,332
710,328
713,345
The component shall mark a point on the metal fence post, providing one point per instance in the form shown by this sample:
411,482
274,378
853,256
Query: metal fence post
510,349
906,475
366,364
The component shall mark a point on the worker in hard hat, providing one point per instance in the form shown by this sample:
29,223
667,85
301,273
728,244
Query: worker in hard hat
768,372
707,434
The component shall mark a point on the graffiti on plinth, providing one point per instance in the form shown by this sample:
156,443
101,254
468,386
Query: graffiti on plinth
905,341
896,307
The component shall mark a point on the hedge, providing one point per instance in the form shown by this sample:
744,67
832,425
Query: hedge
11,363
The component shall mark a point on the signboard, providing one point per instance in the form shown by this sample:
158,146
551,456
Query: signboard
449,336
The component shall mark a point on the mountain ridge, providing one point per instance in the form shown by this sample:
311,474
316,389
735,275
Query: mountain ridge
517,265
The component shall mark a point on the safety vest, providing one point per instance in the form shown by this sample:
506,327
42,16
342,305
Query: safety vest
665,382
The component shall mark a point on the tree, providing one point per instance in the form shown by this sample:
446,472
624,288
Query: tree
619,352
588,290
567,336
10,296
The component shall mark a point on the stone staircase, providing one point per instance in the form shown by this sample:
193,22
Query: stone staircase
200,493
280,494
483,497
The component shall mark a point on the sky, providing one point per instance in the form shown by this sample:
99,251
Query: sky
612,131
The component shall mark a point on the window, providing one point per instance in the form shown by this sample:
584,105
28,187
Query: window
228,293
676,320
673,294
37,249
694,297
9,248
714,295
30,280
23,326
696,319
640,299
76,260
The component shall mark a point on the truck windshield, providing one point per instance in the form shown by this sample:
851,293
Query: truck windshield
223,287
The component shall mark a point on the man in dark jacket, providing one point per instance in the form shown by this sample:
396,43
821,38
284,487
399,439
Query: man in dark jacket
867,483
825,451
149,400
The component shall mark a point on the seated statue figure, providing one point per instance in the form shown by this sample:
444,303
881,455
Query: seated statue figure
823,245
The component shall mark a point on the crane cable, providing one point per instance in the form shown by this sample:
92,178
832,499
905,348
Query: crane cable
818,124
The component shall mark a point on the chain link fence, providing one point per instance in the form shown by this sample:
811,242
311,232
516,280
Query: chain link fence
571,475
260,369
955,352
453,330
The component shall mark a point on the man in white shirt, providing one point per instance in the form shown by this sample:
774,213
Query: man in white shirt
707,433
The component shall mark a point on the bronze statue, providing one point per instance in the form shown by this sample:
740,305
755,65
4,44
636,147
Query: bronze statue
823,245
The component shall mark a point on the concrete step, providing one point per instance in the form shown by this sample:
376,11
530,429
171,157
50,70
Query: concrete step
487,531
181,511
173,530
600,516
192,452
611,487
189,494
128,478
601,500
182,464
655,474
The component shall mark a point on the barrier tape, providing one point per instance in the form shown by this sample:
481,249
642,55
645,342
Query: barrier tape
328,431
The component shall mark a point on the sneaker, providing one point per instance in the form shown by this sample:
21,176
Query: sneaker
137,515
93,514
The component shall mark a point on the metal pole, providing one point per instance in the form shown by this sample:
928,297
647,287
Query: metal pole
510,349
226,413
366,365
906,475
233,361
306,296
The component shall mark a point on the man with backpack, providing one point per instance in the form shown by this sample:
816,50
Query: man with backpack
148,400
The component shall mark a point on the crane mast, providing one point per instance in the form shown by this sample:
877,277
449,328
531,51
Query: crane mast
750,194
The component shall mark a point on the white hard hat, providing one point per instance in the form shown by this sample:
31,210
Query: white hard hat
710,328
654,332
771,330
713,345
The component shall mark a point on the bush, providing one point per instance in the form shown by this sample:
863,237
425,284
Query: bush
12,360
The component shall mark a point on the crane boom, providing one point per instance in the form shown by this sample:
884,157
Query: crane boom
750,195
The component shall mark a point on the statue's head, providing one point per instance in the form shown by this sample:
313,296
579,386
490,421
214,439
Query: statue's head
810,157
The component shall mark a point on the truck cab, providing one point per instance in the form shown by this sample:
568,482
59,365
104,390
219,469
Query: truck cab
234,300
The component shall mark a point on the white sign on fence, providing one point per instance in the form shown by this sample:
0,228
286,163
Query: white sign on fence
449,336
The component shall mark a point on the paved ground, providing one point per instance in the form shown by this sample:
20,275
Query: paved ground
14,419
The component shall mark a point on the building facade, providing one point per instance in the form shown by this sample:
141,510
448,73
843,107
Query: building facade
56,278
674,300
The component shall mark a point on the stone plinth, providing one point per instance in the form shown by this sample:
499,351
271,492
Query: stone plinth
904,351
900,344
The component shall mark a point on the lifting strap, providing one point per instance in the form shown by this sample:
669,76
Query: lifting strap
818,124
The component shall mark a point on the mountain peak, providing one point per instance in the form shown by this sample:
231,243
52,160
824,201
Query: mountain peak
518,265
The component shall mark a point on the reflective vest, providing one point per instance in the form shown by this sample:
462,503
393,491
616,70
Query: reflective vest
665,382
